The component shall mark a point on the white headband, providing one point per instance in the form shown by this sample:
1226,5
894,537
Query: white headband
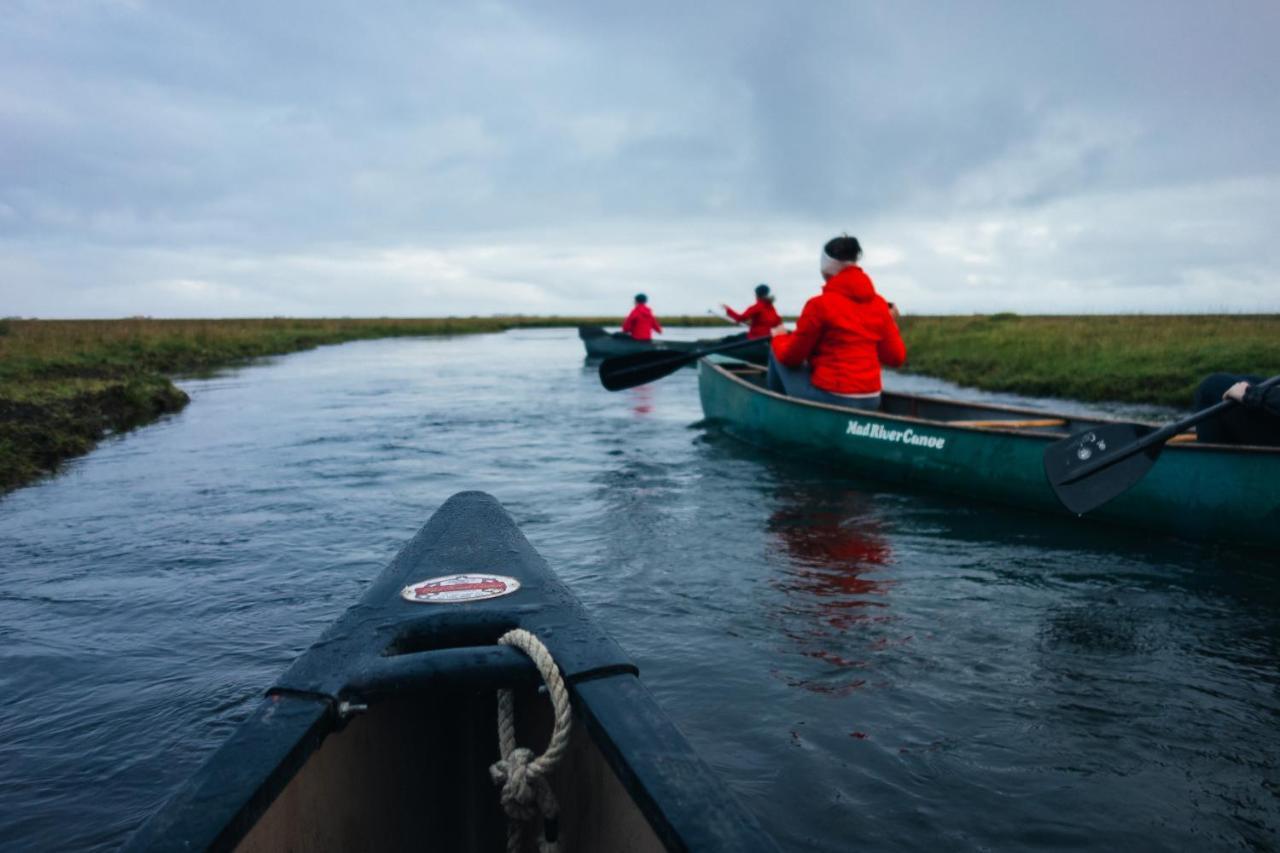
830,266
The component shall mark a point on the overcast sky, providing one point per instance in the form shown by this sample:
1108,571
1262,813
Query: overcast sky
417,158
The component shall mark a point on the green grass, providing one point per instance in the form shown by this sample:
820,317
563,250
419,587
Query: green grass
34,350
1139,359
64,384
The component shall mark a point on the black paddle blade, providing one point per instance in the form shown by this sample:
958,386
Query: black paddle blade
638,368
1064,458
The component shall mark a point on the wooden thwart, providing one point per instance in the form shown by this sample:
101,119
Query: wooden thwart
1023,424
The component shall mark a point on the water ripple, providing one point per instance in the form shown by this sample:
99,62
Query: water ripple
867,668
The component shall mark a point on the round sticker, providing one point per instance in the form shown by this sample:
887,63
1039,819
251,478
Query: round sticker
455,589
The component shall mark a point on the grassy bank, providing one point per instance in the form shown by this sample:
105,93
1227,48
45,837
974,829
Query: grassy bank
66,384
1139,359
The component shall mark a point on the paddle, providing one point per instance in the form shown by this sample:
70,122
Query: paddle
1095,465
628,371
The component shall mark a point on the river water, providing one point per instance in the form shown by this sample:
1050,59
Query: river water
867,668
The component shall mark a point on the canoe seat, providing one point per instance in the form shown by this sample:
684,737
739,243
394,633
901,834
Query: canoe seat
1022,424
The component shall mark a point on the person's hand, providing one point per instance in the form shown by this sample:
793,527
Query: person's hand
1236,392
777,330
893,312
723,306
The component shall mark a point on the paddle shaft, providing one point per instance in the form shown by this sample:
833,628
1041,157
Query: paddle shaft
1160,436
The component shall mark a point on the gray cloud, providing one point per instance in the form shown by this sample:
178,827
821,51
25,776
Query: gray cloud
290,158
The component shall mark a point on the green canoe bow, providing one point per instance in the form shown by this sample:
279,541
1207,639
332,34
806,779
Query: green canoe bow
994,453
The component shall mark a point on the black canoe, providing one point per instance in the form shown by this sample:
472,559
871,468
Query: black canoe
602,344
380,737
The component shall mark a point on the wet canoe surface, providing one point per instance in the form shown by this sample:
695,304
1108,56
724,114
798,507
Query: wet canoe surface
868,665
409,768
995,453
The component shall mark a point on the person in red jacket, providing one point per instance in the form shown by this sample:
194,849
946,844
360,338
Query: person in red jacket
640,323
845,334
761,317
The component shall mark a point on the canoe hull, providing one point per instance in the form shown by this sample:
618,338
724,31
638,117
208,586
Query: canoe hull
380,737
600,344
1201,492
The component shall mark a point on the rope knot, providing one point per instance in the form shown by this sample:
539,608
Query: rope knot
526,793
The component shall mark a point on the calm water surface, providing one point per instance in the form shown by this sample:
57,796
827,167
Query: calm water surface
867,668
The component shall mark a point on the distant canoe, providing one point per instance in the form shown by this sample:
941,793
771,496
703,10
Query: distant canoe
380,737
1201,491
602,344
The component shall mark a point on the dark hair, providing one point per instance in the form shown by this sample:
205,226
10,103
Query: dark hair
843,248
641,298
762,289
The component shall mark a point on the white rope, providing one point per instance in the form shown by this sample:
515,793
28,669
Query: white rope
523,778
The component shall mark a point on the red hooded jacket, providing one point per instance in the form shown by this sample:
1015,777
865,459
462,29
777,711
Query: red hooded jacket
846,332
641,324
762,317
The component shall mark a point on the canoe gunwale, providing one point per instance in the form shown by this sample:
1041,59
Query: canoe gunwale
722,365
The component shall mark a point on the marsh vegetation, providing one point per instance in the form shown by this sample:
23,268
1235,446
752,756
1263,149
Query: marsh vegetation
64,384
1130,358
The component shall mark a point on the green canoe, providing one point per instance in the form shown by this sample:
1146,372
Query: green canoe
1201,491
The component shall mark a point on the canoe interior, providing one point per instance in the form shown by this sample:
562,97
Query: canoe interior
413,774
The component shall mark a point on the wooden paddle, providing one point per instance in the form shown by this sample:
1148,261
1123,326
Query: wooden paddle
1095,465
638,368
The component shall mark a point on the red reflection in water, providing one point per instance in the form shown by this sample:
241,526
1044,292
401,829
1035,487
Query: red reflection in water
835,592
642,399
836,566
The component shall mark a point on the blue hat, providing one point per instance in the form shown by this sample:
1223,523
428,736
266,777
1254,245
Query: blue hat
641,298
